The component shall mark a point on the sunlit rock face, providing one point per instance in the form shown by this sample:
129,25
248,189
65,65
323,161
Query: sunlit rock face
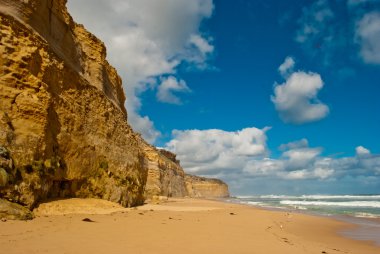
62,115
202,187
63,124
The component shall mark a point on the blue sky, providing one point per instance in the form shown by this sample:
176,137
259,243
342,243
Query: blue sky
203,79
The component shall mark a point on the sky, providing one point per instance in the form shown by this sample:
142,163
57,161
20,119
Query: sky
273,97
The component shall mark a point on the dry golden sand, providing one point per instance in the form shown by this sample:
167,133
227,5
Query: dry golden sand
176,226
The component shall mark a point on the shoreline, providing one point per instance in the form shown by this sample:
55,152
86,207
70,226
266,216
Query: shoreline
176,226
363,228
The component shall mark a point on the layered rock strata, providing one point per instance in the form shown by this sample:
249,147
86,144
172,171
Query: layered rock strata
62,114
201,187
63,124
167,178
165,175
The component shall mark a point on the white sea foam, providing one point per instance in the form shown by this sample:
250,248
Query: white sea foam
363,197
253,203
277,197
300,207
366,215
247,197
374,204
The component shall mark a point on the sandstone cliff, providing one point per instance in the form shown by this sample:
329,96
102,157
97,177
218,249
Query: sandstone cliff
62,114
167,178
165,175
201,187
63,124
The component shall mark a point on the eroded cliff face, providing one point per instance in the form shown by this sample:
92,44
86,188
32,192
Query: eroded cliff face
62,115
201,187
167,178
63,125
165,175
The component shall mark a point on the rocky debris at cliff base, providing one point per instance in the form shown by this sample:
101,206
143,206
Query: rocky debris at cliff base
157,199
13,211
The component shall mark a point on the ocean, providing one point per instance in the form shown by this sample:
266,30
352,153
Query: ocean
362,210
365,206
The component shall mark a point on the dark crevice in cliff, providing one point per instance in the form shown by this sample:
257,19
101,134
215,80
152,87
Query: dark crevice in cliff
52,130
50,7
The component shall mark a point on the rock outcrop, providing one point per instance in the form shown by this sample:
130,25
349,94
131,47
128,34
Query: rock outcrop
12,211
167,178
201,187
165,175
63,124
62,114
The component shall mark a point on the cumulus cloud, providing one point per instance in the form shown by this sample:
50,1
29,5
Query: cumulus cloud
243,160
297,162
360,150
370,163
146,40
300,158
206,151
368,34
202,44
296,100
303,143
287,66
167,88
263,167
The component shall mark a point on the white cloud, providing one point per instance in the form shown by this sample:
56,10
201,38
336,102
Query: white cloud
300,158
167,88
144,125
297,174
296,99
370,163
243,160
303,143
303,174
265,166
145,40
323,173
360,150
368,34
287,66
202,44
204,151
244,153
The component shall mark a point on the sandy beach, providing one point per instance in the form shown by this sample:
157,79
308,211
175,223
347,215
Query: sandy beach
174,226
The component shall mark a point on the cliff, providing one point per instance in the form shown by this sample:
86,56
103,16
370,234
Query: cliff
201,187
62,115
63,124
167,178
